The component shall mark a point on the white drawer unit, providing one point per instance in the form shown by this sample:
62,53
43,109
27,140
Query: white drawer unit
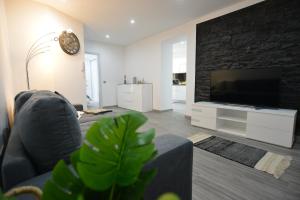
278,122
270,135
136,97
274,126
204,117
208,123
271,128
204,111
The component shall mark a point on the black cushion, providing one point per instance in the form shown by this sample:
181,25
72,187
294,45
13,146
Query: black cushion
21,99
48,128
72,106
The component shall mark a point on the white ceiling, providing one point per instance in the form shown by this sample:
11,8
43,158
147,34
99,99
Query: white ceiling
112,17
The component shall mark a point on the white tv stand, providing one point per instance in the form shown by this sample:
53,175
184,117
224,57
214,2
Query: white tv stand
275,126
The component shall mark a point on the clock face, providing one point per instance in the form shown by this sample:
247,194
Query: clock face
69,43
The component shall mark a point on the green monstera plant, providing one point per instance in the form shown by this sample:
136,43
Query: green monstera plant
109,163
108,166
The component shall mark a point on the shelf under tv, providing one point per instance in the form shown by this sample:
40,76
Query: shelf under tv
231,118
234,131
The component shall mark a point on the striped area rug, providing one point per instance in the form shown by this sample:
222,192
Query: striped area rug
259,159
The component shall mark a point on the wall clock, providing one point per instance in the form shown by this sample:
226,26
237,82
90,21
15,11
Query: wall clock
69,43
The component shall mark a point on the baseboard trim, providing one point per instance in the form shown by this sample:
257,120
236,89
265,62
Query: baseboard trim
167,110
111,106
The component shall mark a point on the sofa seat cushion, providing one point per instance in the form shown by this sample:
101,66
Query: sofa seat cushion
48,128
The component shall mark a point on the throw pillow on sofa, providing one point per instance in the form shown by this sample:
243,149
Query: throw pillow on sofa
21,99
73,108
48,128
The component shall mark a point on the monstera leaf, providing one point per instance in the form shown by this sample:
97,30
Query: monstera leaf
64,184
114,153
136,190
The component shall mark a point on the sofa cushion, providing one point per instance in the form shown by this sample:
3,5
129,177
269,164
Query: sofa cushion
21,99
48,128
72,107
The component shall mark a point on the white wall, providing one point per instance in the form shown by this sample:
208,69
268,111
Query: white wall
166,76
27,21
144,58
179,57
6,97
111,69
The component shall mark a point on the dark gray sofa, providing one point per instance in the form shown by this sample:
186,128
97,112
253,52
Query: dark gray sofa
174,164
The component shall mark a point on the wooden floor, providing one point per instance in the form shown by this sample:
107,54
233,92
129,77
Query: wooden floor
217,178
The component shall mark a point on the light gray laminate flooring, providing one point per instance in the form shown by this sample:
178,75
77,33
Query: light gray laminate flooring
217,178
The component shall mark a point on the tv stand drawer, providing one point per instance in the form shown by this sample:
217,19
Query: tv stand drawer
270,135
204,122
277,122
204,111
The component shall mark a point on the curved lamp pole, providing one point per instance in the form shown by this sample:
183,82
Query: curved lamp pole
40,46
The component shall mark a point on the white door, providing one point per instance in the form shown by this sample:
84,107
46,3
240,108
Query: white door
92,75
111,76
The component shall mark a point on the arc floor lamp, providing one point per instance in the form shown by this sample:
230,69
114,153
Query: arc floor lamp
68,41
40,46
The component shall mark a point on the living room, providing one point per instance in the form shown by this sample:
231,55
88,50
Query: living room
219,121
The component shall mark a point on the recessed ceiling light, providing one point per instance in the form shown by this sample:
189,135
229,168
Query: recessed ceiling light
132,21
107,36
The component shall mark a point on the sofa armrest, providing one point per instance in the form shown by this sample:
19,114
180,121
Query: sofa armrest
16,166
174,163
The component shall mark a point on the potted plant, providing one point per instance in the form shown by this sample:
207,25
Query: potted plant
108,166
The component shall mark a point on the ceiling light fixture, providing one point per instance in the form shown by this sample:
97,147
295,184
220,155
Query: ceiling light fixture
107,36
132,21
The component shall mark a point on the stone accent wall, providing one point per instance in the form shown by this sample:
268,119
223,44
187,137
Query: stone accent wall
265,35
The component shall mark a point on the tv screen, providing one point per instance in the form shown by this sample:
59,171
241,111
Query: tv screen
257,87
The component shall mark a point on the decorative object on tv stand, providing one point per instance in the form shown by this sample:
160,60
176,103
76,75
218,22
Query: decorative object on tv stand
68,42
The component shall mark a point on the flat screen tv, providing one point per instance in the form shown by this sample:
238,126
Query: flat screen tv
256,87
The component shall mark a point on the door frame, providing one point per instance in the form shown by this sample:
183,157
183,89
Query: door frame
99,76
167,63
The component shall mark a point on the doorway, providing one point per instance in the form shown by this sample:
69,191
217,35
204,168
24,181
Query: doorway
92,81
179,68
174,74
